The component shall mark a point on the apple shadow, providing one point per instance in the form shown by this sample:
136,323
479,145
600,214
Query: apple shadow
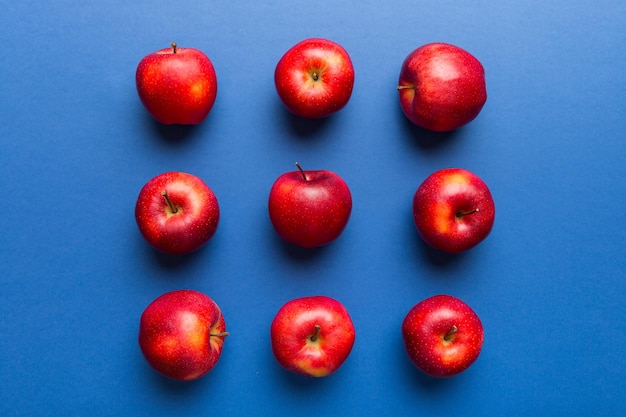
180,390
173,134
172,261
291,252
299,254
296,381
303,127
424,138
438,258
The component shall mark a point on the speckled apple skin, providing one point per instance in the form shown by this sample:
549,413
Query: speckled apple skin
311,212
194,223
177,87
440,197
179,334
442,87
314,78
424,329
293,326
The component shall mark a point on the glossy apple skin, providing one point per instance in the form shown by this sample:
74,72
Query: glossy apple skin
314,78
177,85
194,222
181,334
443,210
441,87
424,332
309,208
292,330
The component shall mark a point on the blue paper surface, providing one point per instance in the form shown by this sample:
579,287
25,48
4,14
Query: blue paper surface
549,283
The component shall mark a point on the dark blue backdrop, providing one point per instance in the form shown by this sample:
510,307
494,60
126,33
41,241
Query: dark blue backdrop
549,283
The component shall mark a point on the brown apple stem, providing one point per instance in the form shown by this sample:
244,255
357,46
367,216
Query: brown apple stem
315,76
450,333
316,333
466,213
169,202
405,87
223,334
173,46
301,171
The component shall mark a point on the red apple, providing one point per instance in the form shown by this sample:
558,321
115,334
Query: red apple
309,208
177,85
442,335
314,78
177,212
453,210
312,336
442,87
181,334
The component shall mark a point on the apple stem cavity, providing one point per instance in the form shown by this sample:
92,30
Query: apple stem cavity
450,333
171,205
316,333
466,213
301,171
173,46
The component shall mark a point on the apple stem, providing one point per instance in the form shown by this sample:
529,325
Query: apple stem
173,46
466,213
169,202
316,333
223,334
315,76
405,87
301,171
450,333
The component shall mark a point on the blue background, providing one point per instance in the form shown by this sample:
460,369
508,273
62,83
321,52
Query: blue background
77,146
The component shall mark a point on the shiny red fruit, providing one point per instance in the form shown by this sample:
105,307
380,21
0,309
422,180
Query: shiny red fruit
177,212
453,210
442,335
441,87
177,85
312,336
309,208
181,334
314,78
